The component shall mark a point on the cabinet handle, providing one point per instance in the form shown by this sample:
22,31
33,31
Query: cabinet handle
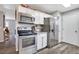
42,37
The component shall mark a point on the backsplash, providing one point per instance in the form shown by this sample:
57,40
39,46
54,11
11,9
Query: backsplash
38,28
25,27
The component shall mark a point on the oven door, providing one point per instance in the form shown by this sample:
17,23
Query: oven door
26,43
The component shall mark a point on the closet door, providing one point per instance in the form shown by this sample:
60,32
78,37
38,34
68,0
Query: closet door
71,28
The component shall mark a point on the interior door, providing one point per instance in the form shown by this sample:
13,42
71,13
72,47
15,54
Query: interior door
71,28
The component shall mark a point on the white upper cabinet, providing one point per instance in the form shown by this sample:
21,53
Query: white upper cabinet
36,16
36,20
39,19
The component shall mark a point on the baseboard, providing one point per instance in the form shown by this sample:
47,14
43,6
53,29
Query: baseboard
40,49
70,44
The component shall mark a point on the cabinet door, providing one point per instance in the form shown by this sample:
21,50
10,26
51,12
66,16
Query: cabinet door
37,20
41,20
44,40
39,42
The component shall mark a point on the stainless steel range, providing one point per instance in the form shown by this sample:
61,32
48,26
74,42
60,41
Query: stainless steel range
27,42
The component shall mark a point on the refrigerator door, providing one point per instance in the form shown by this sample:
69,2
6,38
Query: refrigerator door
52,41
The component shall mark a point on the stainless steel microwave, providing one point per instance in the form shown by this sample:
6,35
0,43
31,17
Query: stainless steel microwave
26,19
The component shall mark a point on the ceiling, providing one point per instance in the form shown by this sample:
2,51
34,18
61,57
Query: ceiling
50,8
9,9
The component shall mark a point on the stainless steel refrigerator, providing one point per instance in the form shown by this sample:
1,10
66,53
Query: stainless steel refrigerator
50,27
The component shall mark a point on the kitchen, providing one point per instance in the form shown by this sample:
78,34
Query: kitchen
38,29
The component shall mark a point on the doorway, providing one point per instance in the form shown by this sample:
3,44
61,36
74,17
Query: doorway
11,26
8,45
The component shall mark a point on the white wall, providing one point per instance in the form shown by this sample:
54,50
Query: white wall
1,27
9,14
70,24
11,26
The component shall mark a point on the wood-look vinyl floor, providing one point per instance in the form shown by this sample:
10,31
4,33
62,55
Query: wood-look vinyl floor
7,49
62,48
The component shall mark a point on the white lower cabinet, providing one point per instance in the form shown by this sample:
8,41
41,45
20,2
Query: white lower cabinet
38,42
41,40
44,40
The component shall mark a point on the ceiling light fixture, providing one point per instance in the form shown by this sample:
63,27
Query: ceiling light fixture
66,5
